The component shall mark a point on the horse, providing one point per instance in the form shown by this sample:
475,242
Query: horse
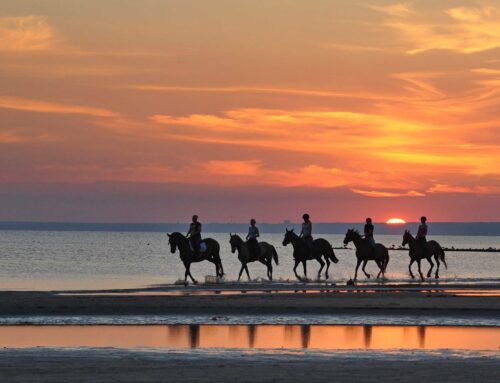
301,253
212,254
416,254
267,254
365,253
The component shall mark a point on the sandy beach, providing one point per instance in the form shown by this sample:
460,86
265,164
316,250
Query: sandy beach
39,364
104,365
264,299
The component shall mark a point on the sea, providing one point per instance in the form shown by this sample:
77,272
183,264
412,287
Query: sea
99,260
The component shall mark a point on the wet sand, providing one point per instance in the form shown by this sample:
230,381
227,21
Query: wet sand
105,365
407,300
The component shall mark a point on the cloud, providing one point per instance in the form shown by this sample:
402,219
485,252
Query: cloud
302,92
396,10
388,194
464,189
25,33
234,168
462,29
49,107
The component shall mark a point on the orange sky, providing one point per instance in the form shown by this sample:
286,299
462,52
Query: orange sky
344,108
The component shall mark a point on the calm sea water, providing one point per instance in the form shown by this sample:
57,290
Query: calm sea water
58,260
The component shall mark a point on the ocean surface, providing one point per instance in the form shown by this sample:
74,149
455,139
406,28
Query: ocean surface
73,260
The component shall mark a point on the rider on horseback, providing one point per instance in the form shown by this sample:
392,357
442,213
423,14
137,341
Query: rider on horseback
369,233
422,233
194,235
306,232
253,245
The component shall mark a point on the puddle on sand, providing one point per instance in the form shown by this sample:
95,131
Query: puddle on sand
447,291
321,337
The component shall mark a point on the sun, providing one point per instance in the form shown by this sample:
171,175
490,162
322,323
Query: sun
395,221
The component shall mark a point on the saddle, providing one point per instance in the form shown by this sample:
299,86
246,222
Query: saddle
203,246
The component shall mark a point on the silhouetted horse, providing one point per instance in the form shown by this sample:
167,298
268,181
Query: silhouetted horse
301,253
267,254
365,253
416,254
212,254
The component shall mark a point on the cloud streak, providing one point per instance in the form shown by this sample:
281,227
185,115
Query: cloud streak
29,105
25,34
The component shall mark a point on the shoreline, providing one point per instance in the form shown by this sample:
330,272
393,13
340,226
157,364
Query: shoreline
260,299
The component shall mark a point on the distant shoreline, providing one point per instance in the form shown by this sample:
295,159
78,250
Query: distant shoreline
437,228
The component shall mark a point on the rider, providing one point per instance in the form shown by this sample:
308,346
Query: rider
369,233
194,234
422,233
306,232
253,234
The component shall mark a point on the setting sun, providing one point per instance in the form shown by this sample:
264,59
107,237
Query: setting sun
395,221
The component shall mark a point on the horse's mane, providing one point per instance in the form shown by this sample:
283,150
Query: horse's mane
177,234
237,236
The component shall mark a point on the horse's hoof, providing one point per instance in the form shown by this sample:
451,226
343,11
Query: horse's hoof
437,276
195,282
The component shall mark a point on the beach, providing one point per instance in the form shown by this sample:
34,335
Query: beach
258,299
101,365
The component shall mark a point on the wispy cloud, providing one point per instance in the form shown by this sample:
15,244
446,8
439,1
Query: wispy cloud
388,194
307,92
396,10
462,29
25,33
50,107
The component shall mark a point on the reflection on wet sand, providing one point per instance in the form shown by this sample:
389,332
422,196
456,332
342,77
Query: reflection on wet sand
254,336
485,292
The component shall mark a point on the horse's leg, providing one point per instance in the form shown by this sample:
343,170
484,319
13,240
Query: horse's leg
409,268
269,265
295,270
381,268
248,273
437,268
186,273
188,270
363,268
419,270
356,271
304,265
241,271
432,266
322,264
327,267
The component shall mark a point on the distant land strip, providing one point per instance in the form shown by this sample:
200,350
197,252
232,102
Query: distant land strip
435,228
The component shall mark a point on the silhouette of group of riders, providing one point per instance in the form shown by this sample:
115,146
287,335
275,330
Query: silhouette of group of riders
193,249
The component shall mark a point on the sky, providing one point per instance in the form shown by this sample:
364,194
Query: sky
150,111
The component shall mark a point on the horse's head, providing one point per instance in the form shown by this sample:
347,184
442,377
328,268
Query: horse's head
289,236
406,238
349,236
173,241
235,241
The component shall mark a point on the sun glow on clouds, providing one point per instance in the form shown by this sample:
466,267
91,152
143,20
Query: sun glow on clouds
365,117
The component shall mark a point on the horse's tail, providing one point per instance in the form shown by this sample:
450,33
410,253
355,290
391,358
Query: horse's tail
385,259
332,256
275,255
441,256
